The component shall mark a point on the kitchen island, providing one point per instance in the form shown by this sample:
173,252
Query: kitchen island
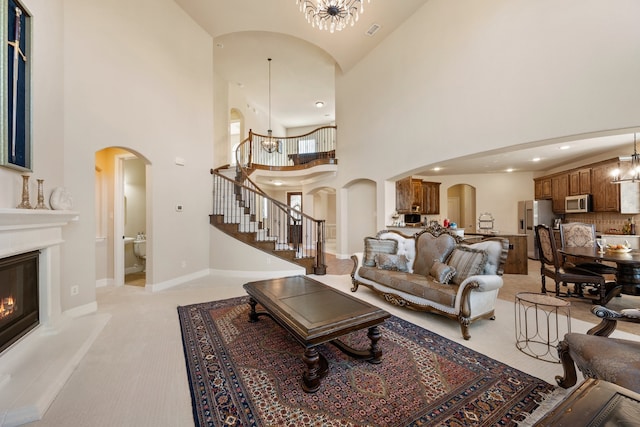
517,261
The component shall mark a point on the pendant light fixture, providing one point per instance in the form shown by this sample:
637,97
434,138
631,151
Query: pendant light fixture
632,173
270,144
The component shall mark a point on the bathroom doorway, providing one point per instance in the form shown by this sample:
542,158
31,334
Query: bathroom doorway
121,218
134,221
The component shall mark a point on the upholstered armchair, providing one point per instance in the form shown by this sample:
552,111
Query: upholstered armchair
598,356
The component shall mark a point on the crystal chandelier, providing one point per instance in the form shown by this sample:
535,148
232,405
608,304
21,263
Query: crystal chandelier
331,15
633,172
270,144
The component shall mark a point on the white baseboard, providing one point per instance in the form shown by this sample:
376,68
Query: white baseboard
104,282
257,274
82,310
155,287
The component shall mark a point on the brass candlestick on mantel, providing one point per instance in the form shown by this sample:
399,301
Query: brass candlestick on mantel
41,204
25,204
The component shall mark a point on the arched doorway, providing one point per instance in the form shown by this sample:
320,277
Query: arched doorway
461,206
122,217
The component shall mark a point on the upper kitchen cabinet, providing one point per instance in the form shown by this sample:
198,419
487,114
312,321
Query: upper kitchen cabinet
580,182
542,188
415,195
404,195
559,191
606,196
430,198
408,195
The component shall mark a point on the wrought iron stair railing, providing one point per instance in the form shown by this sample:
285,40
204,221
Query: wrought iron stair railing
248,214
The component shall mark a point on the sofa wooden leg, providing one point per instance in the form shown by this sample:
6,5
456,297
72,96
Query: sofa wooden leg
569,379
355,285
464,327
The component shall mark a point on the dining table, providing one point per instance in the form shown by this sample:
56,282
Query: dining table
627,264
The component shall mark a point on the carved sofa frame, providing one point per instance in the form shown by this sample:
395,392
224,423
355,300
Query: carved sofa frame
472,299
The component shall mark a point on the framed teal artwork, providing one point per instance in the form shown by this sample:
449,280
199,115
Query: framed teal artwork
15,96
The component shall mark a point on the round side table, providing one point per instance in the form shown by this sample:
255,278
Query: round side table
538,319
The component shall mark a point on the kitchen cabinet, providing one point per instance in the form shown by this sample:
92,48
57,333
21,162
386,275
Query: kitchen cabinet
559,191
412,193
416,188
580,182
606,196
404,195
430,198
542,188
517,261
409,195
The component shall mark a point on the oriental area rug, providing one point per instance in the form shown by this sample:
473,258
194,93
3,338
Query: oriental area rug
250,374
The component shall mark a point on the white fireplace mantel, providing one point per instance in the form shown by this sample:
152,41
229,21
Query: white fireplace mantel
34,368
24,230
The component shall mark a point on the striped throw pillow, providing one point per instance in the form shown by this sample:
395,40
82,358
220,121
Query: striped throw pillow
467,262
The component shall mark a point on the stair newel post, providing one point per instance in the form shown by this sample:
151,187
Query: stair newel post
321,267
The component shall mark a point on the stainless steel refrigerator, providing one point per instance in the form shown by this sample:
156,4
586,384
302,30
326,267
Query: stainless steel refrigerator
530,214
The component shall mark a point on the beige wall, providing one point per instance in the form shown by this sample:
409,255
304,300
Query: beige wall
457,78
461,77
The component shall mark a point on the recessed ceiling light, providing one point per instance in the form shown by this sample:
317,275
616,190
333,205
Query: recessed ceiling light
319,104
277,183
437,168
509,170
536,159
565,147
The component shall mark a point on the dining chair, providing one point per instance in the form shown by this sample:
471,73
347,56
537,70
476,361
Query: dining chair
551,265
582,235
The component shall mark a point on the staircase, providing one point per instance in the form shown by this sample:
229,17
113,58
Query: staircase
245,212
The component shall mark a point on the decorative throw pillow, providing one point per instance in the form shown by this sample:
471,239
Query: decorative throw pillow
373,246
391,262
442,272
467,262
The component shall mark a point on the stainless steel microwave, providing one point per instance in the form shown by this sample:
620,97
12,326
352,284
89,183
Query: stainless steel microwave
577,204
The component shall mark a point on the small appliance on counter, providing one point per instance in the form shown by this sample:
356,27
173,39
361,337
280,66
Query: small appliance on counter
412,220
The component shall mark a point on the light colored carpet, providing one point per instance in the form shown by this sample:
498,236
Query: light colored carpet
134,374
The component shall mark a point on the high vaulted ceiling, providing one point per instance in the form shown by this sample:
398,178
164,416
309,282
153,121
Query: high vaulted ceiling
306,60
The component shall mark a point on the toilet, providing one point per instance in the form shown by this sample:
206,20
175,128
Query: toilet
140,251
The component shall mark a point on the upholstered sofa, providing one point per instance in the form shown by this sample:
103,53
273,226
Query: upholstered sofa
433,271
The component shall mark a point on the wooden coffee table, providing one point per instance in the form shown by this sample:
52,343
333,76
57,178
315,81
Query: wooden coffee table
314,313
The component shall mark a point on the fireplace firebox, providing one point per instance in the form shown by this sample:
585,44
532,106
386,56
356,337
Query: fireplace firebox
18,297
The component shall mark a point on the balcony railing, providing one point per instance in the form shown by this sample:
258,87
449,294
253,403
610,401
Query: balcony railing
291,152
